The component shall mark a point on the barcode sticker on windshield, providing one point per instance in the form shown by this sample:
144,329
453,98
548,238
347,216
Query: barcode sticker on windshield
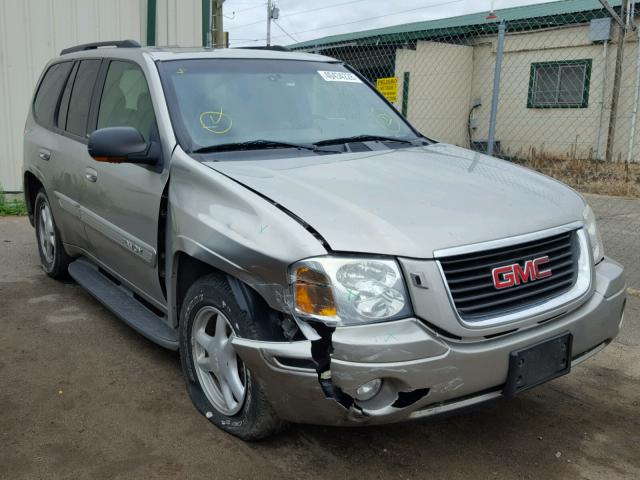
339,76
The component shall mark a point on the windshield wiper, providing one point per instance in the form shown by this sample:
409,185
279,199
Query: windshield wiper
362,138
252,145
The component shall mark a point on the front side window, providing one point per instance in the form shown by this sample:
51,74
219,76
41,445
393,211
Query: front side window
221,101
126,101
562,84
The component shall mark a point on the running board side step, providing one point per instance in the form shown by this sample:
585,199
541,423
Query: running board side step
123,304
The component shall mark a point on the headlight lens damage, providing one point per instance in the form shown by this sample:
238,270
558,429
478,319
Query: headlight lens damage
349,290
594,234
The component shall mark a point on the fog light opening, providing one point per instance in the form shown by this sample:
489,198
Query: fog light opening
368,390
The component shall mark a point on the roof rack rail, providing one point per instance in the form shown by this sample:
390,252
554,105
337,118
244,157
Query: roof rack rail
278,48
95,45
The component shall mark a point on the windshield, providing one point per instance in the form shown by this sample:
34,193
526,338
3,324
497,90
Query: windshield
227,101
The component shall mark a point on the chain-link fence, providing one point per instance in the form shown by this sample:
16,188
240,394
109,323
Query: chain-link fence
552,85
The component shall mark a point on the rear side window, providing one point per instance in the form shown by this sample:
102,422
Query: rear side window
48,94
64,102
126,101
80,101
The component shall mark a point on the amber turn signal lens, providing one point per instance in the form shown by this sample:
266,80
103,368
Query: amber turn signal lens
313,293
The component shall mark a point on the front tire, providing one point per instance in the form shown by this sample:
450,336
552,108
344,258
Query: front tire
53,258
221,387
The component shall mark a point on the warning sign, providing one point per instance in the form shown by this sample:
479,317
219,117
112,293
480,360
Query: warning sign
388,87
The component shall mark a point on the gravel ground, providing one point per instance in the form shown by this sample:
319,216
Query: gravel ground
83,396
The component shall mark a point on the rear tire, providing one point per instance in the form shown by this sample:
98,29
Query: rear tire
221,387
53,258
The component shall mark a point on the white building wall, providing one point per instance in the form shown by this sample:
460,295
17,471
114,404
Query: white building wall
439,89
555,131
34,31
439,103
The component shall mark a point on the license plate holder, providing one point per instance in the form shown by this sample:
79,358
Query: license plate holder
539,363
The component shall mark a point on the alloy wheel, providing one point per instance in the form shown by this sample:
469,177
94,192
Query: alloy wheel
220,371
46,233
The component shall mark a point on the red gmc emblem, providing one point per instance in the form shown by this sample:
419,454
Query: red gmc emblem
511,275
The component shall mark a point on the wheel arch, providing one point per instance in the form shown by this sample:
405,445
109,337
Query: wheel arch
31,185
187,269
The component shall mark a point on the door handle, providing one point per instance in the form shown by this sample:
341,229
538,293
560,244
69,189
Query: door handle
91,175
44,154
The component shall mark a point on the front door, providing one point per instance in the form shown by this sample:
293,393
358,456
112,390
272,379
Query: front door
122,206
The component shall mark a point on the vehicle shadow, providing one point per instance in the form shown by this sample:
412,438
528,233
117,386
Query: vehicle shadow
545,433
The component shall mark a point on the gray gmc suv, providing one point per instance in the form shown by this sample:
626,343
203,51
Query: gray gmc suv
311,256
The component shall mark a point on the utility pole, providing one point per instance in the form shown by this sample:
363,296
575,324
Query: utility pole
496,88
269,11
218,28
273,13
622,30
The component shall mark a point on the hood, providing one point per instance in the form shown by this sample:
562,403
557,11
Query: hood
411,201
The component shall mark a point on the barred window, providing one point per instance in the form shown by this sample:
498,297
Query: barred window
562,84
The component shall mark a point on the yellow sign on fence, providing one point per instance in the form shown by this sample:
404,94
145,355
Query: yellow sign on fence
388,87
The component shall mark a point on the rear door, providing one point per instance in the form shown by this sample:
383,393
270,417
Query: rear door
58,140
122,205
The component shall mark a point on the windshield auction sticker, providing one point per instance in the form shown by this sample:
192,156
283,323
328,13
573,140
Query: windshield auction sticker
339,76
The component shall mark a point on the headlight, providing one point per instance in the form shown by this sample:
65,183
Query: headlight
349,290
594,234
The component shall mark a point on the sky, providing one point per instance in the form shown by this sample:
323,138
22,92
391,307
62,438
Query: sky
245,20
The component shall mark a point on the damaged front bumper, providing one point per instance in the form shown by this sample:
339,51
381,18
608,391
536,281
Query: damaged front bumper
423,373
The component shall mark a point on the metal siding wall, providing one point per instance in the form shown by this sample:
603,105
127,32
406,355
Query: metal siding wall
31,33
179,23
16,74
34,31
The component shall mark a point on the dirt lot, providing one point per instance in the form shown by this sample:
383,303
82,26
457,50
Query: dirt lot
83,396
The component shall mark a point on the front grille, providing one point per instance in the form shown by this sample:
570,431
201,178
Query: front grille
470,280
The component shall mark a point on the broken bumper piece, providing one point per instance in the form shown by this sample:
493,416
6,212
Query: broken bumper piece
422,373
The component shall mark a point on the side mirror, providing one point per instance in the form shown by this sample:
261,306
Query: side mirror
122,145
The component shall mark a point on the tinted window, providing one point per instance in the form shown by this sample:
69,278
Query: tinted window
64,102
80,101
126,100
49,92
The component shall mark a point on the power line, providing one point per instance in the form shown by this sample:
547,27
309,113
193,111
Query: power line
433,5
249,24
253,4
286,23
233,12
301,12
378,16
322,8
248,8
284,31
